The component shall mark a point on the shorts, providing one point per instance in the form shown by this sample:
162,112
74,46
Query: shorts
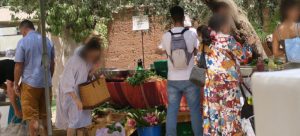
33,102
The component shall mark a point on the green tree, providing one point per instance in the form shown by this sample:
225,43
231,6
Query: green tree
80,17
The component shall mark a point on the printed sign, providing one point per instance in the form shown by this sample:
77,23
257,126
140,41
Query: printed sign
140,23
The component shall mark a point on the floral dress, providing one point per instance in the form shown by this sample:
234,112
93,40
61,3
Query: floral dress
222,104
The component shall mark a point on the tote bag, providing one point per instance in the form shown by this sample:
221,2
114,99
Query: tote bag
93,93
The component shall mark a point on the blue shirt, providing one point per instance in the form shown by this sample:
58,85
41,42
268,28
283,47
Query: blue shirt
29,51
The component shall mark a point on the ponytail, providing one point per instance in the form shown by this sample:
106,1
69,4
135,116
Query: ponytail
204,31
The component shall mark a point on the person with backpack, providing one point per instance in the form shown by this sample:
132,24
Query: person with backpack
180,44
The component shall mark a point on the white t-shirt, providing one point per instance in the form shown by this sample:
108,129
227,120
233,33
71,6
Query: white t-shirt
191,43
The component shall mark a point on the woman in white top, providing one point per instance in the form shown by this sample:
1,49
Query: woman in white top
69,114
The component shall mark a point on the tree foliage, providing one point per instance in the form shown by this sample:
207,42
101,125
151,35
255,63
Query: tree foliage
80,17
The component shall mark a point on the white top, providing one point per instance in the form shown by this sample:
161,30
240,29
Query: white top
67,114
191,43
276,97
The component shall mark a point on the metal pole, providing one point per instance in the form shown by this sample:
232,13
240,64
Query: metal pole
46,66
143,50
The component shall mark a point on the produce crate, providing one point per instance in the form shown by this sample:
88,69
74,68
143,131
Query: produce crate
184,129
103,122
161,68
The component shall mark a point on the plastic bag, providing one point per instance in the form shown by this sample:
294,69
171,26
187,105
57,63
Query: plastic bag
248,126
14,130
104,131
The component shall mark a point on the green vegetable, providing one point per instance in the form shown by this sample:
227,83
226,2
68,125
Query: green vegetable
253,62
140,77
266,61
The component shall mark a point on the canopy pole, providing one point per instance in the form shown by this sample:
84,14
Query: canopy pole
46,66
143,49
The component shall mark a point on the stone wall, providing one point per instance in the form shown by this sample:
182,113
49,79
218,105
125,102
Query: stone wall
125,45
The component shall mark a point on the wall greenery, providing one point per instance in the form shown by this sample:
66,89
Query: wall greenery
81,17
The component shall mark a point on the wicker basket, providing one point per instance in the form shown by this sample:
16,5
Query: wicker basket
93,93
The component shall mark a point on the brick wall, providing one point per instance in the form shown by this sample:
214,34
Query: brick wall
125,45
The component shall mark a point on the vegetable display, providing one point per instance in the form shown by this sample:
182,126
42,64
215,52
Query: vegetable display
146,117
142,76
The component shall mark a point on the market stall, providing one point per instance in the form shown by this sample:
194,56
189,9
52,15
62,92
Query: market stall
134,95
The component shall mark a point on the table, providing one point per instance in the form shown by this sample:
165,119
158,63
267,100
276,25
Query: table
276,97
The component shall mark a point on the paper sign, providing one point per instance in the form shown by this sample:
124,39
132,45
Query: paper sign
140,23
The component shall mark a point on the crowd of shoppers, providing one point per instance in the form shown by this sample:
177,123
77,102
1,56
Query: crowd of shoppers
223,54
221,113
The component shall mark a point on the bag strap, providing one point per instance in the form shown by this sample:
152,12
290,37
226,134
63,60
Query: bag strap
242,90
247,88
202,58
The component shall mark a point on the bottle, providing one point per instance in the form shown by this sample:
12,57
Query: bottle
260,66
140,65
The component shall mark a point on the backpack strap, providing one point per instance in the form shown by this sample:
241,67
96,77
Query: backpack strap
182,32
170,31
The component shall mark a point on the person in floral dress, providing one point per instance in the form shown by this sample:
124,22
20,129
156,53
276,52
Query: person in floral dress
222,105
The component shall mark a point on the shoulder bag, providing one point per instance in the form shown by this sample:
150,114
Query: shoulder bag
198,74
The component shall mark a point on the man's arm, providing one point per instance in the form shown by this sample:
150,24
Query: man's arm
17,75
12,98
161,49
